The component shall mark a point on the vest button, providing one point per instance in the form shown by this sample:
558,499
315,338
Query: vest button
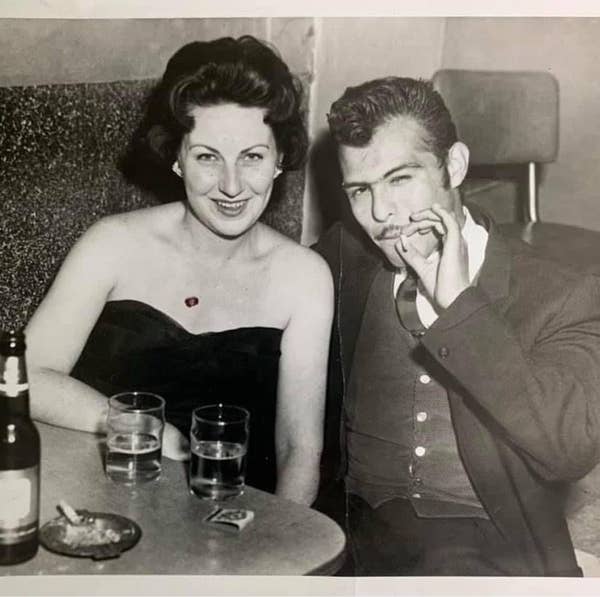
420,451
444,351
424,379
421,417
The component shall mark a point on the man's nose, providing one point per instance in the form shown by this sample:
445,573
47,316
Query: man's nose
229,182
382,206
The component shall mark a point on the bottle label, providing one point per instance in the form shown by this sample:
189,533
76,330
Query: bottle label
13,390
19,491
13,383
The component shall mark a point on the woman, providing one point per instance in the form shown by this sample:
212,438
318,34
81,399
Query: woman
196,299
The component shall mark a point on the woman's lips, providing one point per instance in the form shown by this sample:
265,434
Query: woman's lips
231,209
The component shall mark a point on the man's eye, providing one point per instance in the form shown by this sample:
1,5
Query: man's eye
399,179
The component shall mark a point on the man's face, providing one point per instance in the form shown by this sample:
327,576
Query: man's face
391,178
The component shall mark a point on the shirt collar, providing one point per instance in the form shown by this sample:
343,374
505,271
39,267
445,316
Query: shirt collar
476,238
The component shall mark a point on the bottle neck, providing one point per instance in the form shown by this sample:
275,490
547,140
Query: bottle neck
14,406
14,387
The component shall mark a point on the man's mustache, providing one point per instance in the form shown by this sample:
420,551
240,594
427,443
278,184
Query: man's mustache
390,231
393,231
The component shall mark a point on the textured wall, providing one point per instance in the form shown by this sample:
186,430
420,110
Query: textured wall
58,150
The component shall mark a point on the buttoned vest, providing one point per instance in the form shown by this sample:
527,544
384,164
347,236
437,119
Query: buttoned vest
399,432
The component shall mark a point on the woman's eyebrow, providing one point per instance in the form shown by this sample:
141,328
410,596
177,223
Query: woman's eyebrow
264,145
194,145
257,145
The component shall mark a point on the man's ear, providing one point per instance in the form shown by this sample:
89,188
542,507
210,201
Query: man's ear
457,164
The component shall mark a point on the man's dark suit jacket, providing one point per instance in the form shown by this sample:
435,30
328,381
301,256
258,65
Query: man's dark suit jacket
520,351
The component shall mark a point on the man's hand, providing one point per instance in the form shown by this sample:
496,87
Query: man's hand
444,274
175,445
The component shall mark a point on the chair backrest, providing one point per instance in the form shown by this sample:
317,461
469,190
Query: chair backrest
505,117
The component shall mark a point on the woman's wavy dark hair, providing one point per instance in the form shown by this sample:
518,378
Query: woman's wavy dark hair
243,71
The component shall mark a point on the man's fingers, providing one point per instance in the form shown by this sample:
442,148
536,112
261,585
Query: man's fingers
436,213
424,214
424,267
423,227
446,217
410,255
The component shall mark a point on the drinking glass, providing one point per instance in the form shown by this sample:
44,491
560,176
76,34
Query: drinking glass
219,442
135,427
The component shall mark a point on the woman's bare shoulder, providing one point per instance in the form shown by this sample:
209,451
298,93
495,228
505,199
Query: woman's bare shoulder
146,219
124,227
296,264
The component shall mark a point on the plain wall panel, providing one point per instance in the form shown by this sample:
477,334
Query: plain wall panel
567,48
38,51
350,51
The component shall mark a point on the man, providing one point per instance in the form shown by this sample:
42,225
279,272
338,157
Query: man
465,367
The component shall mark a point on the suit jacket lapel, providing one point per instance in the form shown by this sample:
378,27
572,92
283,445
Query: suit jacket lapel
494,276
358,268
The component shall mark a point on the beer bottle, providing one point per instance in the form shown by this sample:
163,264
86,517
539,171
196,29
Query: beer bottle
19,456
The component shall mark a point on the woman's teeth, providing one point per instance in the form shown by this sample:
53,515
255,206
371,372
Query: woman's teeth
232,209
230,204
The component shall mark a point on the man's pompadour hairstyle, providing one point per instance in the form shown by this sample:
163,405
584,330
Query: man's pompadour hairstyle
356,115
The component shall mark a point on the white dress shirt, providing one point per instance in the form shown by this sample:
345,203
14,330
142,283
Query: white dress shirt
476,238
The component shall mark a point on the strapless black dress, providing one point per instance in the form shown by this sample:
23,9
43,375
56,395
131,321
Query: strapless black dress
134,346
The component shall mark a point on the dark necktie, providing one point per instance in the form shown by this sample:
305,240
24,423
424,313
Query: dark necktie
406,305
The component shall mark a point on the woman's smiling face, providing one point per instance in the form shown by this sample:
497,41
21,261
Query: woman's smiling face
228,163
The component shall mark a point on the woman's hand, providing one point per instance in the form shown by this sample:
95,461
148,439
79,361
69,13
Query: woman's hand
175,445
444,275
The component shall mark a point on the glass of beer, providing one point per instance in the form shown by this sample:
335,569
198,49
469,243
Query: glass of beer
135,427
219,441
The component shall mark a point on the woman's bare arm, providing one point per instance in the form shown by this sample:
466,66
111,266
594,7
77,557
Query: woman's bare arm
302,378
58,330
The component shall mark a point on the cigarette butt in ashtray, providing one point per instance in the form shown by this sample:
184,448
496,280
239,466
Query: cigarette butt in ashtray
236,518
70,513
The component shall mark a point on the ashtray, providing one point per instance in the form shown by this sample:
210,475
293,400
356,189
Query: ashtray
101,536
